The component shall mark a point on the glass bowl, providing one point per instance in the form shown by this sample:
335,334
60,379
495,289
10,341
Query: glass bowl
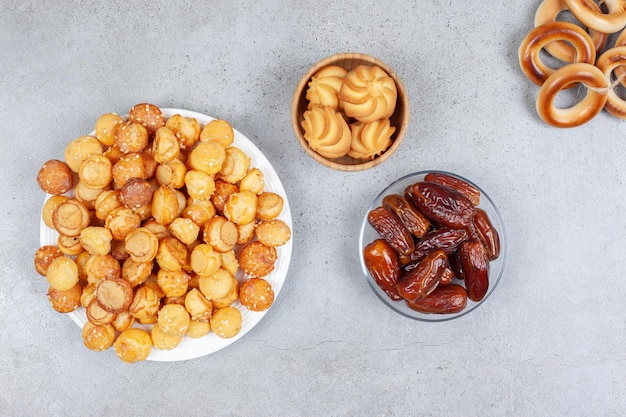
496,268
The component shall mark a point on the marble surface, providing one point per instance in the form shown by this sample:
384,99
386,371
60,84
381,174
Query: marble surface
550,340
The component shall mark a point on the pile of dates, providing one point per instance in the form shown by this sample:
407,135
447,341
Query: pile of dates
435,245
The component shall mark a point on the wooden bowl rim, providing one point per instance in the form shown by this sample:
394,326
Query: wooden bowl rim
400,133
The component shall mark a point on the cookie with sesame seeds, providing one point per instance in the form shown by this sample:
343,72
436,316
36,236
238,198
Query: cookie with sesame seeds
148,115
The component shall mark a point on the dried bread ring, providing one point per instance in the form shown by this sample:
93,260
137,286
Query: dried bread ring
530,61
548,11
591,16
608,62
70,218
586,109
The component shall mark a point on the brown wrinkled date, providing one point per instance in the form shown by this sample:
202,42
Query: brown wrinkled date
382,263
443,205
475,266
443,300
457,184
413,219
487,234
390,227
435,245
424,278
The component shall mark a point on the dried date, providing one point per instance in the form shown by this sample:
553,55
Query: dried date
443,205
475,264
382,263
424,278
413,219
465,188
443,300
390,227
487,234
443,238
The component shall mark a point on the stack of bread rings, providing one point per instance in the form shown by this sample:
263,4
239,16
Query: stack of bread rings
585,57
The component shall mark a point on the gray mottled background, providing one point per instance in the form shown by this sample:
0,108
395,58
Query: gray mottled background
550,341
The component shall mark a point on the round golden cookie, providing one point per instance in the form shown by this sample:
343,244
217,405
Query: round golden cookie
141,244
230,262
136,272
70,217
98,337
165,205
133,345
326,132
235,166
198,329
205,260
226,322
88,196
136,193
323,89
79,149
146,303
172,254
102,267
131,138
219,131
106,126
198,306
65,301
62,273
221,234
127,167
253,181
121,221
147,115
199,211
55,177
199,185
273,232
114,294
186,129
228,299
44,257
122,321
173,319
256,294
370,140
241,207
269,205
217,285
184,229
98,315
368,93
207,157
107,201
171,174
223,191
173,283
96,240
95,171
165,147
162,340
50,206
246,232
69,245
257,259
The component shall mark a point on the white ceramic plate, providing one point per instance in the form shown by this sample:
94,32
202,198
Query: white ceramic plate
194,348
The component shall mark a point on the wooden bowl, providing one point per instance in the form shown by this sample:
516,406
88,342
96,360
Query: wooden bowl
399,119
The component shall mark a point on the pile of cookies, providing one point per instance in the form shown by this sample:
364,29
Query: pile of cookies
156,218
348,112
